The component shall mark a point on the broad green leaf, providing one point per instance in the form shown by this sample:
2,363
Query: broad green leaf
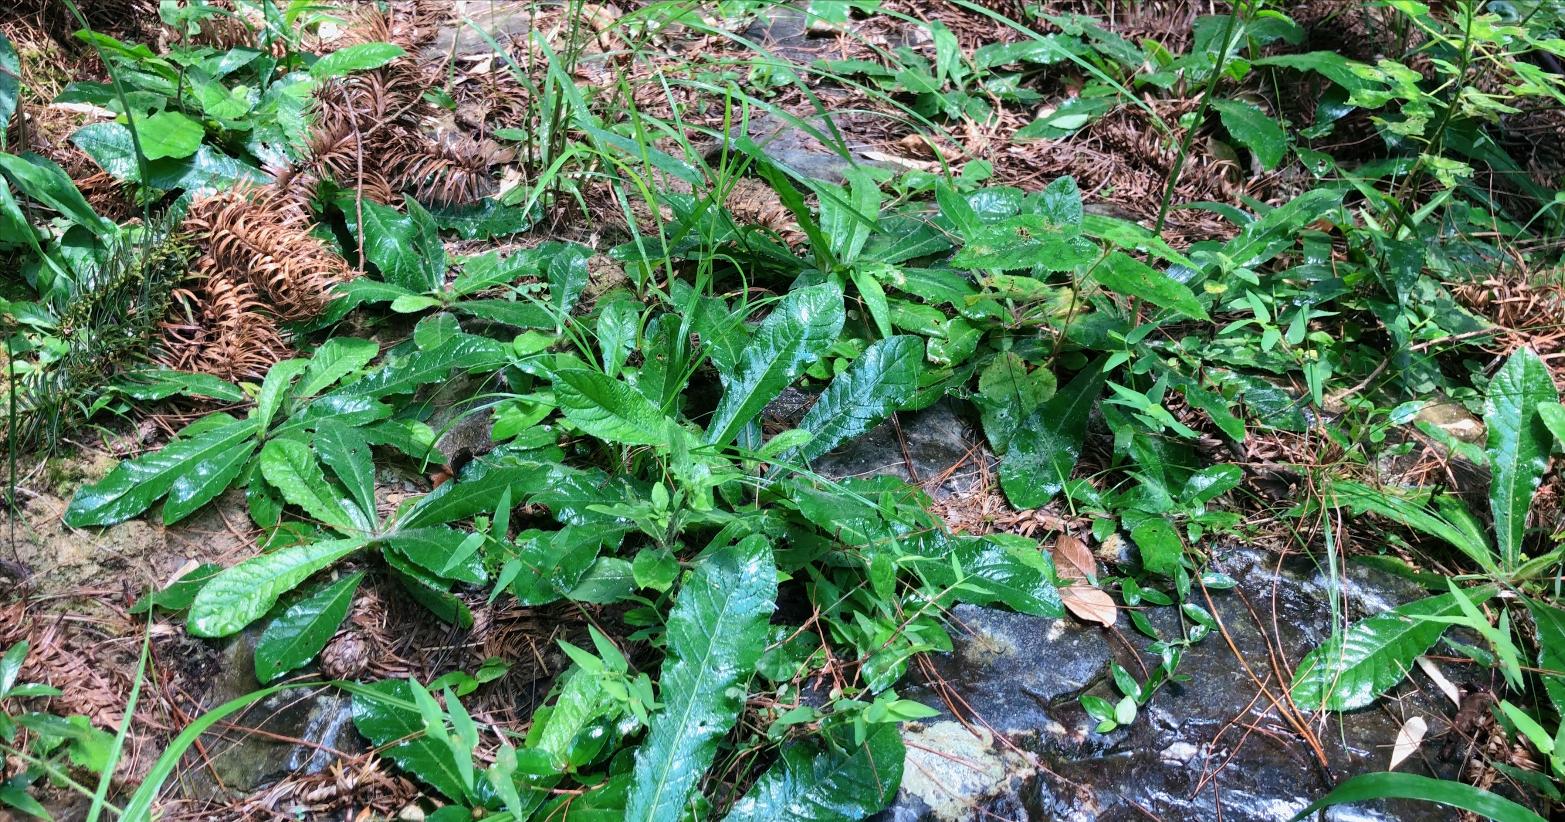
1044,449
1159,545
1551,649
1026,241
1123,274
1553,416
357,57
179,594
1007,393
518,313
300,632
475,493
811,782
346,451
336,358
1369,787
161,383
198,463
1518,447
169,134
567,273
385,713
1000,568
610,579
848,214
1255,130
11,665
801,327
244,593
609,409
405,247
1354,667
877,383
274,390
205,478
290,467
444,552
716,632
43,180
554,562
414,369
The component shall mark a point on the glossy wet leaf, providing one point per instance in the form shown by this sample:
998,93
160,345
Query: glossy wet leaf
43,180
10,85
1159,545
1123,274
716,633
1372,786
880,381
296,635
1355,666
336,358
1025,241
1518,446
800,328
1046,445
1007,393
414,369
1254,129
609,409
244,593
1007,569
1551,648
199,467
384,713
441,551
290,467
405,248
813,782
477,492
346,451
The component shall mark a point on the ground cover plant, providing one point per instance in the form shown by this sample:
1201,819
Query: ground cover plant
545,319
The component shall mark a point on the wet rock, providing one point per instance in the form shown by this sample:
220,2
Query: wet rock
1207,743
937,439
292,732
1454,419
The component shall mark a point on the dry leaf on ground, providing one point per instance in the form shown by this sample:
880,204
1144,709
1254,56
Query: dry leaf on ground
1074,566
1090,604
1408,740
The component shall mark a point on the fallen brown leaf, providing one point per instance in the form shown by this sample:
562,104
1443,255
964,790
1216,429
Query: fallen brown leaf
1072,559
1090,604
1408,740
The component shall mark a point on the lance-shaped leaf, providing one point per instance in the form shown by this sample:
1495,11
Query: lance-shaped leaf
300,632
1127,275
1044,449
883,378
418,368
609,409
716,633
290,467
346,451
242,594
202,465
386,714
1357,665
798,331
1368,787
1518,446
810,784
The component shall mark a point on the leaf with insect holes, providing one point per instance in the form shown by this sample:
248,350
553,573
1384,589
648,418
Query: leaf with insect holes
716,632
301,631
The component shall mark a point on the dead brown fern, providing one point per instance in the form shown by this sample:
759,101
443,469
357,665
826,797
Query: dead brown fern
219,326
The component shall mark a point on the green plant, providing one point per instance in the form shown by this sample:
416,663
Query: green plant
56,745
